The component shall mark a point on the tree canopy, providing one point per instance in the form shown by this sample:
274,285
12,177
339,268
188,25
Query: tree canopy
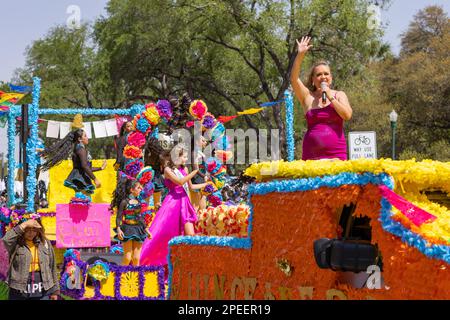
237,54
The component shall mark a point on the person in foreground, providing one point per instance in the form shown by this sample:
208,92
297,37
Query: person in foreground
32,271
325,109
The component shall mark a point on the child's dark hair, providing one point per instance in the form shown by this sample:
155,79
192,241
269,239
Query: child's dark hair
124,185
61,150
152,153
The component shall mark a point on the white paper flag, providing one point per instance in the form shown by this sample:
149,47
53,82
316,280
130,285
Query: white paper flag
64,129
111,127
88,129
99,129
52,129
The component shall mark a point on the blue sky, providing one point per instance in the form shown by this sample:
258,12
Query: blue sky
29,20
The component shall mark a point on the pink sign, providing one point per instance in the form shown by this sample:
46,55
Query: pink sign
78,226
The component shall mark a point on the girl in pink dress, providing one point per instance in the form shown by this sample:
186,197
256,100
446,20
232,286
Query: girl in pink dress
325,109
176,216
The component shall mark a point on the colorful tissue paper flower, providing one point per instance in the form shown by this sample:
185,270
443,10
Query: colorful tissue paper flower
208,121
99,270
5,213
164,109
224,220
145,175
72,254
148,190
133,168
136,109
190,124
213,165
198,109
210,188
214,200
136,139
142,125
132,152
151,114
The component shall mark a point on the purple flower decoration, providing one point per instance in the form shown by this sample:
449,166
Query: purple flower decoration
164,109
209,188
133,168
209,122
147,191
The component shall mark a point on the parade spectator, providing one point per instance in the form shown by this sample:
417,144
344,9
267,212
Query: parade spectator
32,271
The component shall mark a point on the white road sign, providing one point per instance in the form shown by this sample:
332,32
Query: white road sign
362,144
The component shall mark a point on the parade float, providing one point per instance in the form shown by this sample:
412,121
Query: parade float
360,229
297,206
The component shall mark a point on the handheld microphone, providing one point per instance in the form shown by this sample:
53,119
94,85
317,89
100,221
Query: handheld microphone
324,86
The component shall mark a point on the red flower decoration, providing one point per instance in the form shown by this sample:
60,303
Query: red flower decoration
132,152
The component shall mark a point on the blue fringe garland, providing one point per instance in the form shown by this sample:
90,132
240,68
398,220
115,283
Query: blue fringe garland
289,125
33,117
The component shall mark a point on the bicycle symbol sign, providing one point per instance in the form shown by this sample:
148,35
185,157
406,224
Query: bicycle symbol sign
362,145
362,139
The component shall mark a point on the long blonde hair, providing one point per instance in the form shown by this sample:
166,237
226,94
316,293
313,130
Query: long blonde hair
309,82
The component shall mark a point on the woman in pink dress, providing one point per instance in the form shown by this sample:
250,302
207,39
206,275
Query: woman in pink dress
176,216
325,138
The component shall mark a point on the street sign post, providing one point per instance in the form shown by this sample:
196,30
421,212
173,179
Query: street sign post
362,144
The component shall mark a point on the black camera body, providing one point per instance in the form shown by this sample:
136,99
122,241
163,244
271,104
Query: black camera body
345,255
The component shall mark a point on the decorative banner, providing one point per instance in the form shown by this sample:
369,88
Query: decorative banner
224,119
415,214
100,129
52,129
88,129
64,129
21,89
83,227
4,96
111,127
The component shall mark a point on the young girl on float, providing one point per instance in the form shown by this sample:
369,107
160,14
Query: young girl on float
130,224
81,176
120,143
176,216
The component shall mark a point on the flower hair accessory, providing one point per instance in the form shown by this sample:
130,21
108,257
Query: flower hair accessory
18,216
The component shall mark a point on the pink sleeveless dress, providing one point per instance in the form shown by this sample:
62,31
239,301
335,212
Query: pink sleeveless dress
325,138
176,210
